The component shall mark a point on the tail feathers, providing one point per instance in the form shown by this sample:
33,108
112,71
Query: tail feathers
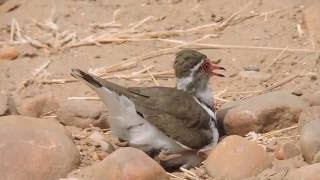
113,95
96,83
121,108
77,73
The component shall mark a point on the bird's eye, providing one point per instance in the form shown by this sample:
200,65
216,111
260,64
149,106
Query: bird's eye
205,65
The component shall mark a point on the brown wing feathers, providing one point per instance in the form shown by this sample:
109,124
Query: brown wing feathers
177,121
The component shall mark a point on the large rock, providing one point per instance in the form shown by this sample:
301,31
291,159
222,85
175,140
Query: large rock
309,114
310,141
36,105
311,20
125,163
236,158
35,149
82,114
310,172
4,107
262,113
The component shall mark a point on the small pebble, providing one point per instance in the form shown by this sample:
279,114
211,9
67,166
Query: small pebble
8,53
297,92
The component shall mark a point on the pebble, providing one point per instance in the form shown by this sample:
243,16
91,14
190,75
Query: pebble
8,53
297,92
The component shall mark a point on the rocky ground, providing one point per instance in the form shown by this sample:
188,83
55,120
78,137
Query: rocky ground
52,126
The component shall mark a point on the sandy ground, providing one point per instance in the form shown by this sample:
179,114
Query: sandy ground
272,25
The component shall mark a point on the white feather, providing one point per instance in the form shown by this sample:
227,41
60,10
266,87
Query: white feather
214,130
182,83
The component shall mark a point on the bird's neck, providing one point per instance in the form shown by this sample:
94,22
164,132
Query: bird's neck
197,88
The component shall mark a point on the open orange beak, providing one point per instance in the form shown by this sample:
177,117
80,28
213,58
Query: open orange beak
214,67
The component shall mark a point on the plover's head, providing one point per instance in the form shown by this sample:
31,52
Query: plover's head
193,70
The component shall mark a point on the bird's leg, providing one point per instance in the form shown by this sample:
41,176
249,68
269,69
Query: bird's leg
121,143
187,160
163,156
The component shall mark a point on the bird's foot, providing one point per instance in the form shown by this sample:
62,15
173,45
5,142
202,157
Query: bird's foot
185,160
121,143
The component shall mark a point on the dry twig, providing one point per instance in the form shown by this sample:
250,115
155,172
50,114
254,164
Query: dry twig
174,176
272,133
277,58
188,173
225,23
227,46
84,98
41,68
152,77
281,83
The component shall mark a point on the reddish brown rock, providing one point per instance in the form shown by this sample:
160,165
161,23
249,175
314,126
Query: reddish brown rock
125,163
262,113
309,172
8,53
82,114
286,151
35,149
236,158
310,141
309,114
36,106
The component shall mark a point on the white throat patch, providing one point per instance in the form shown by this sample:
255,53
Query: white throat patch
203,95
182,83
